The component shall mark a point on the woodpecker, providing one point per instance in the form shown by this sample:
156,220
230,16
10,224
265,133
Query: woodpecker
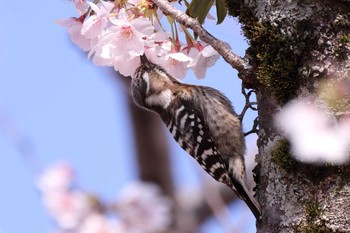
201,120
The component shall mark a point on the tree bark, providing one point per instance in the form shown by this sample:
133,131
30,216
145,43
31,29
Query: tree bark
293,46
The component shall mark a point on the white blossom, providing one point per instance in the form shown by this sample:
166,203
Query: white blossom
202,59
97,223
175,63
121,44
81,6
117,34
142,206
74,26
95,24
315,137
68,209
57,178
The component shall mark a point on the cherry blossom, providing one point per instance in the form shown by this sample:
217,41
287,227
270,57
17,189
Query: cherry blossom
68,209
117,34
315,136
126,65
102,54
74,26
202,59
175,63
156,51
57,178
156,20
134,2
81,6
95,24
98,223
156,39
142,206
127,36
122,44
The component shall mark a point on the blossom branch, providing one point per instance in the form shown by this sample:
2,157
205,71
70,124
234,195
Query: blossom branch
203,210
233,59
215,203
22,142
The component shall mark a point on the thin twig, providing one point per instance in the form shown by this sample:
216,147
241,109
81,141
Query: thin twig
204,209
255,128
233,59
248,104
21,142
246,107
217,204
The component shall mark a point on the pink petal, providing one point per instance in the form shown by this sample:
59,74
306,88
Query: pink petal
143,25
126,67
66,22
91,27
81,6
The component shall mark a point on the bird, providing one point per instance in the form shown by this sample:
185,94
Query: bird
202,121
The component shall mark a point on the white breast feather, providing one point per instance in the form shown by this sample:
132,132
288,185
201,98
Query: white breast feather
163,99
145,77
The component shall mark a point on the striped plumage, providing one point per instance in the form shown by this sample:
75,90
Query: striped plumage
192,134
201,120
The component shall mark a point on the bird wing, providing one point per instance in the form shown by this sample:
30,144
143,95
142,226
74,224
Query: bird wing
187,125
222,104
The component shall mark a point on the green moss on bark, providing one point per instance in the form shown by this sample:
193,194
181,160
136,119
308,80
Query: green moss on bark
341,48
280,155
313,223
277,61
275,56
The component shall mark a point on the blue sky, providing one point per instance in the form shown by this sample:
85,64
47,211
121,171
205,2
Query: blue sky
70,110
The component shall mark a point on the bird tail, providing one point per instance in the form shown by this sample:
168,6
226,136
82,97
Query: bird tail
244,194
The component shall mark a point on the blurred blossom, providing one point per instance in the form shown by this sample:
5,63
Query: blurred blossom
336,94
134,2
57,178
142,206
97,223
315,136
189,197
68,209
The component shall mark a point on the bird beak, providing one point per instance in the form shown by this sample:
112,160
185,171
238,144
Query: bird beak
144,59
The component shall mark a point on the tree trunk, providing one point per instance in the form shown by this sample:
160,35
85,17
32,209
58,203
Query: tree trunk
293,46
